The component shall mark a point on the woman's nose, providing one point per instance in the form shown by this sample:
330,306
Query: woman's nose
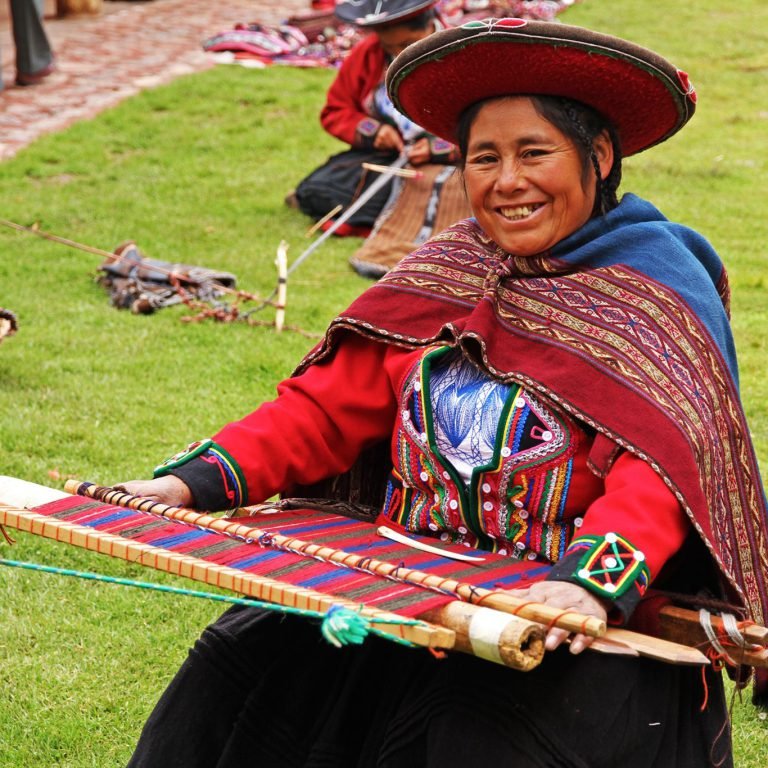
510,176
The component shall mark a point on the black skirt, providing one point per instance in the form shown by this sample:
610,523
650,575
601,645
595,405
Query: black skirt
262,690
340,181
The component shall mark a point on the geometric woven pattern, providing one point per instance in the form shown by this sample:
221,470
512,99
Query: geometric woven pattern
610,565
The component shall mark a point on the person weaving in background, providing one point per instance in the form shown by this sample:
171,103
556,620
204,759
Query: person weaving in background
358,112
556,380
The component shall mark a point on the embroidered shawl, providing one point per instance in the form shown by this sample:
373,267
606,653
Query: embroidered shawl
624,324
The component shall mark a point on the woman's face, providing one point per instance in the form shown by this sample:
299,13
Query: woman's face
524,178
395,38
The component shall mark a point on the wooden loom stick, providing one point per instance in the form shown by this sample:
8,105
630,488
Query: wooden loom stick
406,173
489,634
222,576
677,623
501,601
282,284
319,223
656,647
611,640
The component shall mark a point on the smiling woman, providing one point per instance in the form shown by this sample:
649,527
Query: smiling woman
556,383
525,179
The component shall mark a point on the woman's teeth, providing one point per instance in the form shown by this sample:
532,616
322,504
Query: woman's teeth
519,212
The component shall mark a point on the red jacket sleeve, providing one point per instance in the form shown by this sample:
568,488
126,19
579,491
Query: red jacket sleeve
638,505
344,114
627,534
315,428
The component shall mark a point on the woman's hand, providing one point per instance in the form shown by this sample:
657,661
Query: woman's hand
419,153
567,597
387,139
167,490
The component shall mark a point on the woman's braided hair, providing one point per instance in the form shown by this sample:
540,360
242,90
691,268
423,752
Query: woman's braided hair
586,124
582,125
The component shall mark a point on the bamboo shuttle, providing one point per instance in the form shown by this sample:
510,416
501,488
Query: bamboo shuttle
491,635
407,173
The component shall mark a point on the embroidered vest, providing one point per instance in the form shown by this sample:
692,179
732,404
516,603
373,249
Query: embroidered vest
514,504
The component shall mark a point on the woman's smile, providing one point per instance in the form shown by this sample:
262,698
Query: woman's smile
518,212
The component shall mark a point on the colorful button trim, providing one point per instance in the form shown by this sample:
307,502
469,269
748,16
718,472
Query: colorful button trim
368,127
182,457
610,565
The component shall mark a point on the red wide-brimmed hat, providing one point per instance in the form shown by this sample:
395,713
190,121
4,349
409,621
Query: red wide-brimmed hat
646,98
373,13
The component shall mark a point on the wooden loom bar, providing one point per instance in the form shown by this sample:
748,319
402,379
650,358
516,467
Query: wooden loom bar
492,635
232,579
513,641
501,601
678,623
506,639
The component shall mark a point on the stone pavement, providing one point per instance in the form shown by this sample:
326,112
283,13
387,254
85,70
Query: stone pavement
105,58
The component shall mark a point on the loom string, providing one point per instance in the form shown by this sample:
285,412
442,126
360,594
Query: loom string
340,625
244,295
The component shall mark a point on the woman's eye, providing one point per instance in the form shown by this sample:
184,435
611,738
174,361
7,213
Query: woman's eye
484,159
534,152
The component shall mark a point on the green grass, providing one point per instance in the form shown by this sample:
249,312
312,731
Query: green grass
196,172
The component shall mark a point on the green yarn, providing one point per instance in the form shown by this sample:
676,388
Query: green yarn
340,625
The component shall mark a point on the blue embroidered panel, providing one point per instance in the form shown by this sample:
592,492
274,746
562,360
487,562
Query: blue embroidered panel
467,407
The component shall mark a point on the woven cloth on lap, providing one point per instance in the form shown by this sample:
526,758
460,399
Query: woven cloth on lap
417,209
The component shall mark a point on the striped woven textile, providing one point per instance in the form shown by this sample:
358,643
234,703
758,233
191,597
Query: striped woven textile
259,558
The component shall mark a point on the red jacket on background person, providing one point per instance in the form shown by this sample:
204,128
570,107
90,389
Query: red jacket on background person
346,114
348,110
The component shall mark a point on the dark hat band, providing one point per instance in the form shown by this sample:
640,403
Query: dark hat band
374,13
645,97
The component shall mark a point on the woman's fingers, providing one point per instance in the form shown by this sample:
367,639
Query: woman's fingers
565,597
167,490
387,138
419,153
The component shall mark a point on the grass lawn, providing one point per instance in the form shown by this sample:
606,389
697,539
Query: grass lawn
196,172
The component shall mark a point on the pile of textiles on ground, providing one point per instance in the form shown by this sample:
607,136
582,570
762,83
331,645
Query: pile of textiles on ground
317,38
143,285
